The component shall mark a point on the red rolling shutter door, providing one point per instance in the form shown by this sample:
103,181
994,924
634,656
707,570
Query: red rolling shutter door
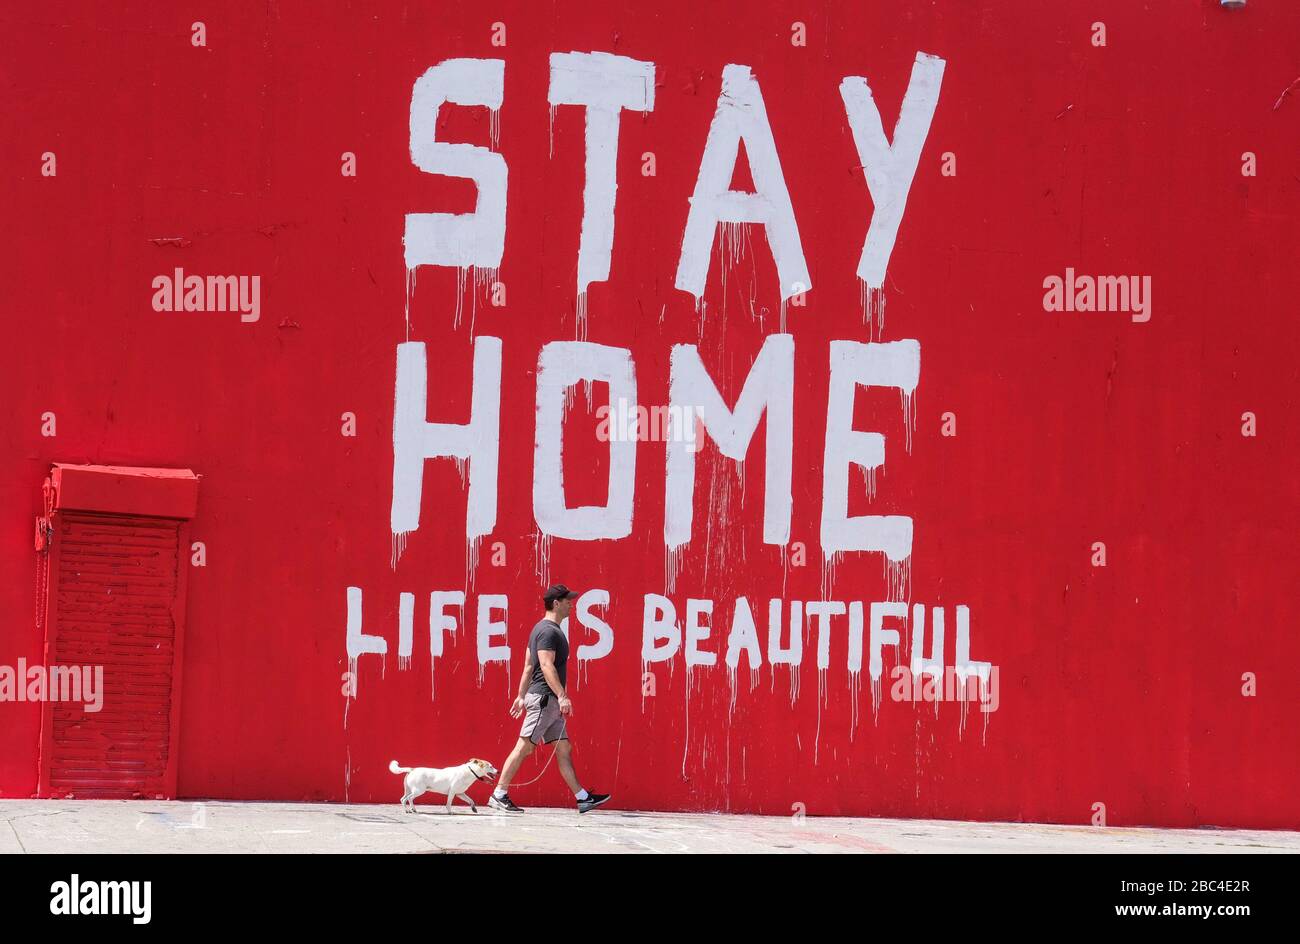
115,590
116,585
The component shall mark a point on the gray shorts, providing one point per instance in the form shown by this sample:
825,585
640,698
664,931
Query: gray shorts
542,725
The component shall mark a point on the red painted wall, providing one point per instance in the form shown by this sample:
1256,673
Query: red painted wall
1120,685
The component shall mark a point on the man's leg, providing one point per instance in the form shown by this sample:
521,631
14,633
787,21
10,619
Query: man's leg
562,749
522,750
586,801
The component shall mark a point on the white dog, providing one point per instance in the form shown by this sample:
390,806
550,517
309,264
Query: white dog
453,781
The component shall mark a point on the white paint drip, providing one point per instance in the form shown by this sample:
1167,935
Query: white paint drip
686,741
461,272
494,128
580,328
855,693
672,565
476,280
542,557
821,697
908,399
410,294
352,689
733,245
484,278
399,547
472,546
898,579
727,778
720,511
873,310
829,563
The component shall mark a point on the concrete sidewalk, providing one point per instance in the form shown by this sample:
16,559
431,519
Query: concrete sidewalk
91,826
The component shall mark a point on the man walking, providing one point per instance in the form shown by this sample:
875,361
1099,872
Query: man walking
544,702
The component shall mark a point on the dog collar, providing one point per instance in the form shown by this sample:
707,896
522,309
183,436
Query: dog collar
476,776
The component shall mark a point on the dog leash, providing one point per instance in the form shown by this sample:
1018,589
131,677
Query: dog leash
542,771
539,776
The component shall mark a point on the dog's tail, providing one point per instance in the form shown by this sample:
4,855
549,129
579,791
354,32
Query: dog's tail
393,768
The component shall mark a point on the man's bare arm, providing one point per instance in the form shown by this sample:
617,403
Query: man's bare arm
528,674
517,706
546,659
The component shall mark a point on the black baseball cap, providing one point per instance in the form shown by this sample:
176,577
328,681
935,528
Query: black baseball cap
555,592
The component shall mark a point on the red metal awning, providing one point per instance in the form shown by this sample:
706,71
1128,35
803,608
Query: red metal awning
125,490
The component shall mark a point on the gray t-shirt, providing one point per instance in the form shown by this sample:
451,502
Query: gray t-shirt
547,635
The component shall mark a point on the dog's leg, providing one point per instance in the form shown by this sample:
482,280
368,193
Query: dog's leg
470,800
450,797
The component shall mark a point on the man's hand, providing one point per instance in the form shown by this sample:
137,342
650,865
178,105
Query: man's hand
566,706
517,707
